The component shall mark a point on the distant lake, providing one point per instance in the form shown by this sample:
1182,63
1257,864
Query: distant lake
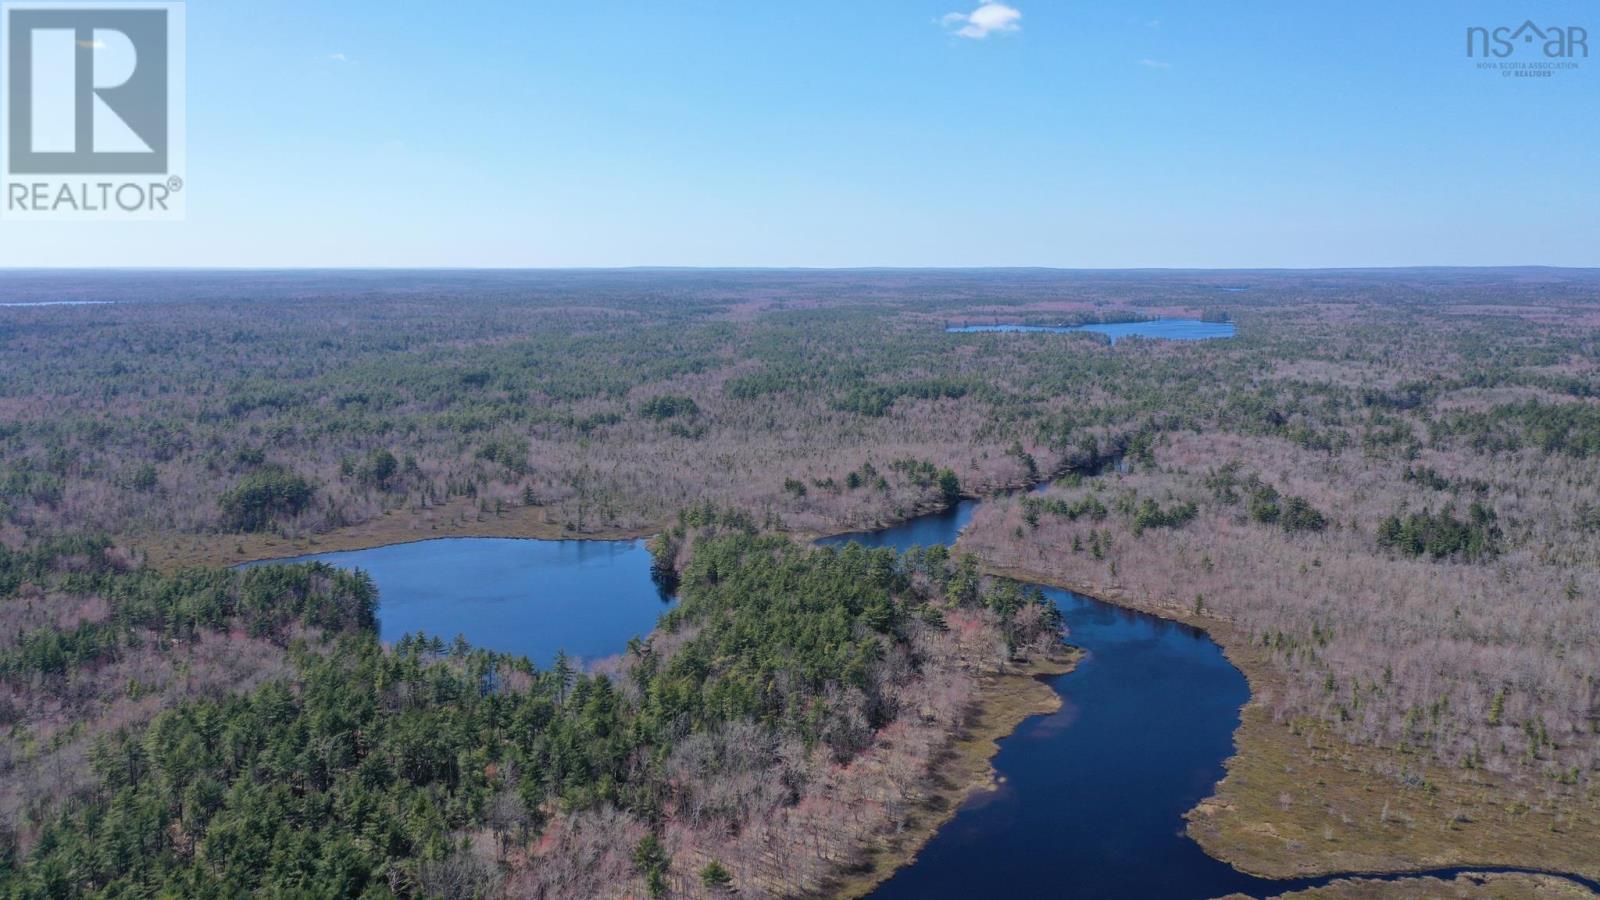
62,303
1165,329
514,596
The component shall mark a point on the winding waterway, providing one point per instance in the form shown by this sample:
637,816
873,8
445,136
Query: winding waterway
1091,798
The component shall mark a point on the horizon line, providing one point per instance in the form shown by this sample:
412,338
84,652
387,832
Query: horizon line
6,269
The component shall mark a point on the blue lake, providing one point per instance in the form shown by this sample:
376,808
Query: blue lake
514,596
1164,329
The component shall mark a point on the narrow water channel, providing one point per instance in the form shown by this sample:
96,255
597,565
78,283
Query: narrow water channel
1091,798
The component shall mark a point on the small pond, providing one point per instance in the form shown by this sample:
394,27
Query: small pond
513,596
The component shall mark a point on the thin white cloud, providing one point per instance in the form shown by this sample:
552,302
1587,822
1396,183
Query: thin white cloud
1154,64
989,18
341,58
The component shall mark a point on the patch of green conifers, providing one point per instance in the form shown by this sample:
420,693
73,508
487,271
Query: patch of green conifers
1440,535
266,494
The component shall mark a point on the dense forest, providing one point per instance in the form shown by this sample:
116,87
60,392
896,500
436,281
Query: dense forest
1384,488
786,678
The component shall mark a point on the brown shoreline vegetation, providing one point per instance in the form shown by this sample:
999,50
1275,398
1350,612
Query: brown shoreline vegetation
1467,886
1003,703
456,520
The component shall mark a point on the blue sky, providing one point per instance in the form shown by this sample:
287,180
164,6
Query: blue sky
714,132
